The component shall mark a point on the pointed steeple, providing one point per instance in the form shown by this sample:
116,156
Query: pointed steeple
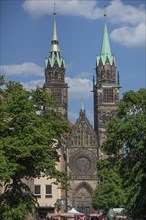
55,84
82,110
54,54
54,42
105,49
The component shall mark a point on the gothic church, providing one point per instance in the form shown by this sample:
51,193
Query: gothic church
82,148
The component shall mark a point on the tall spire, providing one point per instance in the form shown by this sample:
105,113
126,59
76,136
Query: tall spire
106,50
54,43
54,54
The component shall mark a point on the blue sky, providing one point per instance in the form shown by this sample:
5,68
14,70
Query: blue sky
26,33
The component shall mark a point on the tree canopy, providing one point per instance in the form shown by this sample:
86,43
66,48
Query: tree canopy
2,81
110,192
27,132
126,142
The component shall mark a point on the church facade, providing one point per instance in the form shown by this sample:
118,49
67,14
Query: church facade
83,145
82,154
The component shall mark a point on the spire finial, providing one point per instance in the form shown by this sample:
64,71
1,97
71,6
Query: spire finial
105,50
105,12
82,105
54,45
54,12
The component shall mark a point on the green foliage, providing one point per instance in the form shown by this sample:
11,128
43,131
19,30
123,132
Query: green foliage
15,203
28,131
128,131
110,192
2,81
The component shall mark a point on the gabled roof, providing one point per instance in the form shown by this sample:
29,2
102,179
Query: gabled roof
70,123
83,119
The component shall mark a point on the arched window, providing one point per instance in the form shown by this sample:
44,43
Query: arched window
108,95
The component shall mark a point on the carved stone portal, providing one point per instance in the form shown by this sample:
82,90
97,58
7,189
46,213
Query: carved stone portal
82,197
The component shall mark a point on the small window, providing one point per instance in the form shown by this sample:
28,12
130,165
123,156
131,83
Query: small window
37,191
48,191
108,95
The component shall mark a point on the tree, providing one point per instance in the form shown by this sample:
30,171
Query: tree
27,131
110,192
128,131
2,81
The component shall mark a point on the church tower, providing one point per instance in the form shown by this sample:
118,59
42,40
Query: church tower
55,75
105,89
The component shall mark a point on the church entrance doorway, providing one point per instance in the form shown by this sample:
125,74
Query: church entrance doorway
82,198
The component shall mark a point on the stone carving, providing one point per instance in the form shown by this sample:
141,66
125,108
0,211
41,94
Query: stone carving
82,162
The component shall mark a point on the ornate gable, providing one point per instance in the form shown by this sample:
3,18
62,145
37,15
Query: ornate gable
83,135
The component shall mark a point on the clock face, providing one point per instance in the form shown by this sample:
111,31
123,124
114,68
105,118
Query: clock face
82,162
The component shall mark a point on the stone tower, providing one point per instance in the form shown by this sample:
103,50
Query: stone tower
81,157
55,75
105,89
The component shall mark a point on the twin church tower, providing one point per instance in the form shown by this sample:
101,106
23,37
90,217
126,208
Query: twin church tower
82,148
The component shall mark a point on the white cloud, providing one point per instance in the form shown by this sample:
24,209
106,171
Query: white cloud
129,17
32,84
130,36
22,69
117,11
121,13
79,88
86,9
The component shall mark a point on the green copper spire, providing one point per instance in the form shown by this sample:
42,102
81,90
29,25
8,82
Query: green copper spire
105,49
